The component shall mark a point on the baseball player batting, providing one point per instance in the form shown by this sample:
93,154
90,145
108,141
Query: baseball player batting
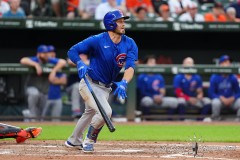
108,52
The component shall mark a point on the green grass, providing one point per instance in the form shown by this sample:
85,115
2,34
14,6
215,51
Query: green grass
138,132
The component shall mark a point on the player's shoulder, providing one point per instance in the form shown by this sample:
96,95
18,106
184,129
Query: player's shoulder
197,76
179,76
34,58
233,76
214,76
159,76
142,75
98,36
53,60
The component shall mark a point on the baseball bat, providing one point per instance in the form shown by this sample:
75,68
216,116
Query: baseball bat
101,109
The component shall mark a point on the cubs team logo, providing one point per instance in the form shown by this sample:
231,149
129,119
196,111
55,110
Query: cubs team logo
120,59
155,85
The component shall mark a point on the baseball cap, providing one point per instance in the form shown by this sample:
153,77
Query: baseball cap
42,49
51,48
224,58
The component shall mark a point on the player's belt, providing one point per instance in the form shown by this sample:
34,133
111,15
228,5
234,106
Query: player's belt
99,83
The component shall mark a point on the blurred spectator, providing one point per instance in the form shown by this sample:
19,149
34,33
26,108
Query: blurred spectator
37,85
192,14
56,7
178,7
56,79
224,91
164,14
72,89
72,9
132,6
87,8
4,7
121,5
141,14
104,7
236,5
231,15
189,91
42,9
217,14
152,90
164,59
15,10
157,3
26,6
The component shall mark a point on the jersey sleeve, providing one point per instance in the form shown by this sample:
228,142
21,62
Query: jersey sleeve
199,81
177,88
213,87
236,87
132,54
162,82
83,47
35,59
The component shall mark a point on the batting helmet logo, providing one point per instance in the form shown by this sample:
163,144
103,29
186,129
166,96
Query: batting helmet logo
110,18
120,59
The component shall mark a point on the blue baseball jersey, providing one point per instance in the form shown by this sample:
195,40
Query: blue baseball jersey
54,91
150,84
226,86
106,57
188,86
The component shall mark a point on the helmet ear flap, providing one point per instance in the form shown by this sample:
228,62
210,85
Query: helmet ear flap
111,25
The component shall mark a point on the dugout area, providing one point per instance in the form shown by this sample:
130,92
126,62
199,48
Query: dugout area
203,46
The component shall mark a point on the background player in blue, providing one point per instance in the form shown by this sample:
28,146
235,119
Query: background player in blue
56,79
224,91
108,53
152,90
37,85
189,90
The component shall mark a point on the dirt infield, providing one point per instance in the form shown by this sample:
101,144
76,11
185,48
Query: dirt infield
118,150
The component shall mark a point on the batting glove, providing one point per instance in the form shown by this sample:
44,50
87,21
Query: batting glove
121,89
82,69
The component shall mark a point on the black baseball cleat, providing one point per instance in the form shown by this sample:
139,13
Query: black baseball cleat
70,145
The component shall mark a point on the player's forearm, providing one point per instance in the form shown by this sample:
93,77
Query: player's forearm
162,92
27,61
128,74
61,63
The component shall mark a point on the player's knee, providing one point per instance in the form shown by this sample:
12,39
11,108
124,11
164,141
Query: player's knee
216,103
181,101
206,101
174,103
147,101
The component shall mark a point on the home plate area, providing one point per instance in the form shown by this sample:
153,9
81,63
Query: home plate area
119,150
